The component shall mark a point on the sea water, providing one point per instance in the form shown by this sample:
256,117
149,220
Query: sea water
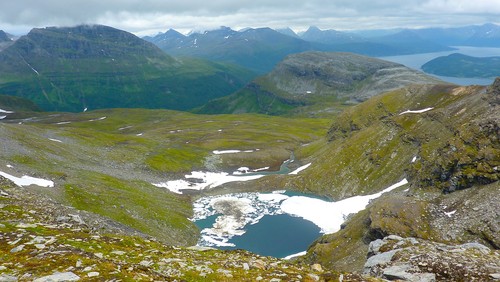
415,61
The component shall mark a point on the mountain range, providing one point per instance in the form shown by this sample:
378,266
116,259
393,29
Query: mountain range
70,69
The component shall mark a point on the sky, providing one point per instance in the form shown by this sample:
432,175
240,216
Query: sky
148,17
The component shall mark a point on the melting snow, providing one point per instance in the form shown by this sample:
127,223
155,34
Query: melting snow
139,134
217,152
101,118
237,210
300,169
6,112
9,166
414,159
27,180
63,122
416,112
295,255
209,180
449,214
55,140
2,117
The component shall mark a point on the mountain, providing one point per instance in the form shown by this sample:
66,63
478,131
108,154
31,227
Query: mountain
287,31
330,36
5,40
314,83
487,35
256,49
459,65
410,42
73,68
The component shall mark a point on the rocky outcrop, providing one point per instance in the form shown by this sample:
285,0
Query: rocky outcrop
411,259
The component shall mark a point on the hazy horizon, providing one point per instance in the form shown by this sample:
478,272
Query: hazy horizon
152,16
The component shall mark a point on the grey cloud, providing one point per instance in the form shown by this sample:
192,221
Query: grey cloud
157,15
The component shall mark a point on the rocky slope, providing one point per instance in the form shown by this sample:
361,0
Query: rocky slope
450,155
73,68
313,83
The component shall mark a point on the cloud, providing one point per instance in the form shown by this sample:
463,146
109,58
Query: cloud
150,16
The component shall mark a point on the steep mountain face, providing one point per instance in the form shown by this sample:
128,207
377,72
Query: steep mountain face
5,40
315,82
459,65
256,49
4,37
101,67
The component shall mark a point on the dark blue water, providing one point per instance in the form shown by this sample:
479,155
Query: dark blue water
416,61
278,236
274,235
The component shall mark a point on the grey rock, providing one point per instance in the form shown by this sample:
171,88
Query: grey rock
482,248
398,272
380,259
374,247
394,237
7,278
59,276
495,276
17,249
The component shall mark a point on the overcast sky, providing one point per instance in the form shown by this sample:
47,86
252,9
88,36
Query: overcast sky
148,17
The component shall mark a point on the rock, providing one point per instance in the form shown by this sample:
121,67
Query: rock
314,277
93,274
374,247
7,278
495,276
119,253
200,248
317,267
398,272
58,276
394,237
379,259
25,225
246,266
17,249
482,248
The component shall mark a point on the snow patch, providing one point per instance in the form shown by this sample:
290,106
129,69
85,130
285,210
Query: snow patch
55,140
2,117
139,134
416,111
300,169
206,180
63,122
220,152
97,119
449,214
295,255
27,180
6,112
414,159
9,166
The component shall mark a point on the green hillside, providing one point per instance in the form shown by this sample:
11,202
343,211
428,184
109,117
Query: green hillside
317,84
459,65
70,69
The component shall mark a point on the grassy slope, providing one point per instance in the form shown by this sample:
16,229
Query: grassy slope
459,65
102,166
